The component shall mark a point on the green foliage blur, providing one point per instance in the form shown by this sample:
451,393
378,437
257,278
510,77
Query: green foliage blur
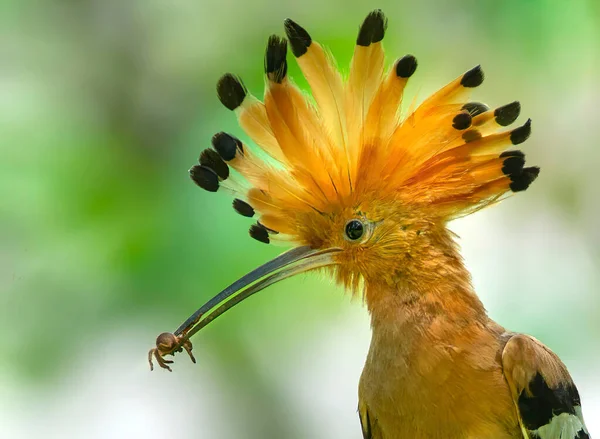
105,105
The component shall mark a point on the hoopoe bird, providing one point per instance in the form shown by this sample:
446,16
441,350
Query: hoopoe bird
364,192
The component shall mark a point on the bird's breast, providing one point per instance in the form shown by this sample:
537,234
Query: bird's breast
436,380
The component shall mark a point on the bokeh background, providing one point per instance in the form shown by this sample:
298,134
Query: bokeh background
105,242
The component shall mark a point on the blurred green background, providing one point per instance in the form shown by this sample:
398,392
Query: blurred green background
106,242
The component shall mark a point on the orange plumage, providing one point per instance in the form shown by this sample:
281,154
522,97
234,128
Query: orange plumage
354,145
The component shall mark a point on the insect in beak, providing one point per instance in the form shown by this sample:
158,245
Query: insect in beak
288,264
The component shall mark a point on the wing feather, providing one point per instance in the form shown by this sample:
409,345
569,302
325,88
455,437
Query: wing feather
544,394
365,421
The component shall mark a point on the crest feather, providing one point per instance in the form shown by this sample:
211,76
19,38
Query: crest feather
447,157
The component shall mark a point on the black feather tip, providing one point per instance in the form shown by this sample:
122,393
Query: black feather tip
522,180
406,66
514,153
231,91
204,177
521,134
227,145
260,233
462,121
274,232
473,78
372,29
210,158
513,163
243,208
475,108
275,62
299,39
471,136
507,114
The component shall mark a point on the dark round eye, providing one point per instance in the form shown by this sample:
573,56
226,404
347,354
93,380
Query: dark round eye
354,229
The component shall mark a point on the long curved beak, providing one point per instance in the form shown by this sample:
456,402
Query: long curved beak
290,263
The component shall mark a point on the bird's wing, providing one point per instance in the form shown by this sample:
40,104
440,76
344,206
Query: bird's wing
544,394
365,421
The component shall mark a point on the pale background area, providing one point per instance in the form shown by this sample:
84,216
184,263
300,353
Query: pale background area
105,104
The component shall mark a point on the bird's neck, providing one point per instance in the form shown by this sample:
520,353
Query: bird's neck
431,342
435,288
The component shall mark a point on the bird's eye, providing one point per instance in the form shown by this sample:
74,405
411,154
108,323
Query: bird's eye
354,229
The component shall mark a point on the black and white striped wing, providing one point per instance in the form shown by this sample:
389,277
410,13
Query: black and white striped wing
544,394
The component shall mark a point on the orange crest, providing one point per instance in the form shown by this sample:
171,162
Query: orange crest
447,158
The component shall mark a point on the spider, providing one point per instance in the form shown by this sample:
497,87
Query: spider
168,343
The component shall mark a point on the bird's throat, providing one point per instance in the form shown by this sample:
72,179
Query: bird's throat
437,286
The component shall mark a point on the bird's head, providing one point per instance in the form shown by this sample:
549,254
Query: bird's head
375,238
345,177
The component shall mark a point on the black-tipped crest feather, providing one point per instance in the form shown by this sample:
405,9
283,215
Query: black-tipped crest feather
514,153
274,232
473,78
227,145
299,39
462,121
260,233
204,177
231,91
507,114
406,66
275,59
211,159
521,134
243,208
521,181
372,29
513,165
475,108
471,136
